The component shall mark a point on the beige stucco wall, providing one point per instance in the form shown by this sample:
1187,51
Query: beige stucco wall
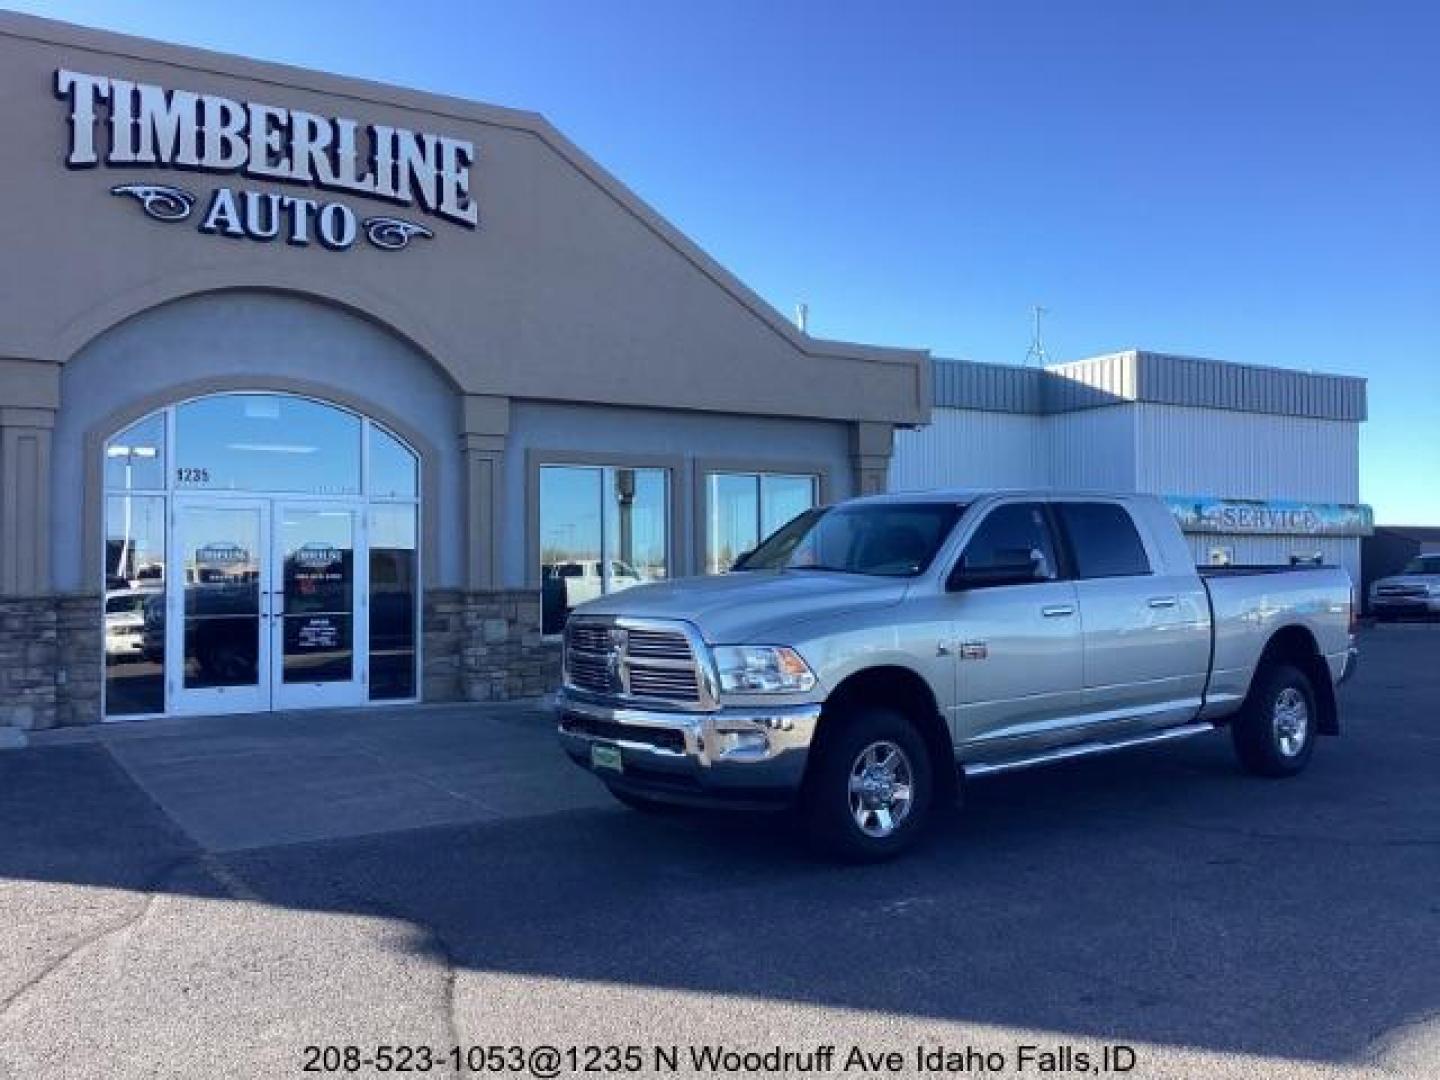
569,289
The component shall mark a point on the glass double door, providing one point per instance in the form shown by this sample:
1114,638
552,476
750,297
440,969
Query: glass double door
266,603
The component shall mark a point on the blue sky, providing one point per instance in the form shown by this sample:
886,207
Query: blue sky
1255,181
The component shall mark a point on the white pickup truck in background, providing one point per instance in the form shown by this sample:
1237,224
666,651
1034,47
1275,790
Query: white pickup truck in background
869,657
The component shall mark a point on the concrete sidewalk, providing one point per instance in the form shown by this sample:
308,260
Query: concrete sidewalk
238,782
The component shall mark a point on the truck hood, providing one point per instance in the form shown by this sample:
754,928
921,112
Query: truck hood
754,606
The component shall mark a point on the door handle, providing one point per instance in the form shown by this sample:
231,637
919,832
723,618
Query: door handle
1162,601
1055,611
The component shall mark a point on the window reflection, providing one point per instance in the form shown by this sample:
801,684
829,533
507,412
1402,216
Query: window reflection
135,459
734,526
220,548
745,508
266,442
602,529
262,444
782,499
394,586
134,604
319,597
392,467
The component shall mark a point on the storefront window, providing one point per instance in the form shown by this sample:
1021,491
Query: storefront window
602,529
392,467
135,459
394,588
285,516
745,508
134,604
266,442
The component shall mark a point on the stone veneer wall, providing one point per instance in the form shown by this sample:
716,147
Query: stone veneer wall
50,669
478,647
486,646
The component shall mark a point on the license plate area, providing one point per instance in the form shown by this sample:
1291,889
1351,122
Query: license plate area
604,756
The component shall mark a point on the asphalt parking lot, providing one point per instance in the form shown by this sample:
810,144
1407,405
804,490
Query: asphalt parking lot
189,900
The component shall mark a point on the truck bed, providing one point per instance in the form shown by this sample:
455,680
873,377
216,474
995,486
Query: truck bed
1248,569
1248,604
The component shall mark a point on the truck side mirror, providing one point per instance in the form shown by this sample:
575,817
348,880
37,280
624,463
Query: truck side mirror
1008,567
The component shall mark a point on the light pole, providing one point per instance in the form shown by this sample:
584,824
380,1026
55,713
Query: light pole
129,453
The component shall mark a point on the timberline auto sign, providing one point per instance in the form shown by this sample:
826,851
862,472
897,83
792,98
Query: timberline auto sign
149,126
1243,517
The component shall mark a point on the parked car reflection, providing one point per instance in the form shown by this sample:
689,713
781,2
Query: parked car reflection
125,624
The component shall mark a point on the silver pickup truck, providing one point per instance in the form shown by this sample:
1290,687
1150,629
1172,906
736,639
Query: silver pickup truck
870,657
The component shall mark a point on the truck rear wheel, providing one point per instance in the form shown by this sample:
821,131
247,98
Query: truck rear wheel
1274,734
870,786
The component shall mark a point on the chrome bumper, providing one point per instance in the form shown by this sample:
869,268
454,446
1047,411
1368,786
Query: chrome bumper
731,755
1405,605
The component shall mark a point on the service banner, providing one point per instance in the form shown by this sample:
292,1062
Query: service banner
1273,517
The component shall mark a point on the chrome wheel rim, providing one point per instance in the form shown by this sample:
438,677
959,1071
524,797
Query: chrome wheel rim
1291,719
882,789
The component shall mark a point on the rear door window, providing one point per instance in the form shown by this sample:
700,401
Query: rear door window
1103,540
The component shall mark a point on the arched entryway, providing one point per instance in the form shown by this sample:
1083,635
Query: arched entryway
261,551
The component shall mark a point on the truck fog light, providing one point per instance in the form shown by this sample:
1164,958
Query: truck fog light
744,742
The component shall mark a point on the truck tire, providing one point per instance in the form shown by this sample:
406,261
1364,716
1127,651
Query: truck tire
1275,732
870,786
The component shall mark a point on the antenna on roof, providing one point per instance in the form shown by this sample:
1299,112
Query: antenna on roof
802,317
1037,352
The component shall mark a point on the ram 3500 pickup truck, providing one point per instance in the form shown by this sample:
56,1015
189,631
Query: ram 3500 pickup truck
869,657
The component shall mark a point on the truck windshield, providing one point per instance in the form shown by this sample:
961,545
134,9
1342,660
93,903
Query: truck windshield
1422,564
881,539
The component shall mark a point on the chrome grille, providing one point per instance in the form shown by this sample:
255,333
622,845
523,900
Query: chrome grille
1402,592
589,672
656,644
676,685
618,658
592,637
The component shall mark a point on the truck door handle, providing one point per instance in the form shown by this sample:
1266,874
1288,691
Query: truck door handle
1162,601
1057,610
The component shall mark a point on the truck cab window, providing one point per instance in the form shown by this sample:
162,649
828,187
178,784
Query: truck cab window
1012,536
1103,540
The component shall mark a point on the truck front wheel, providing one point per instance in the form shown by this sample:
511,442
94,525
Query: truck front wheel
870,785
1274,734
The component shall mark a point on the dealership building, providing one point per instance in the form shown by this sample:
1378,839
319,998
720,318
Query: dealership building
1260,465
316,392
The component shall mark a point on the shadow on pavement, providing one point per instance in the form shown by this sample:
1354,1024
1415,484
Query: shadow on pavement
1158,897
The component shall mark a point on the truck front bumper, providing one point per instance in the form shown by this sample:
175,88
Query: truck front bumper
1399,607
738,756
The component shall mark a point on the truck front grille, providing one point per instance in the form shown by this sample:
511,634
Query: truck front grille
617,658
1409,592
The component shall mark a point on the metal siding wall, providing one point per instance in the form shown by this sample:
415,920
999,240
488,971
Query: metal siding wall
1188,380
1276,550
1093,448
1189,451
971,448
1090,384
965,384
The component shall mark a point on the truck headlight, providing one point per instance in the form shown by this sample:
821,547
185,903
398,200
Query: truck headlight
762,669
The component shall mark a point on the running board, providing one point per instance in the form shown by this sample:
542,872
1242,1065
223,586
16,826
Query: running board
1088,749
